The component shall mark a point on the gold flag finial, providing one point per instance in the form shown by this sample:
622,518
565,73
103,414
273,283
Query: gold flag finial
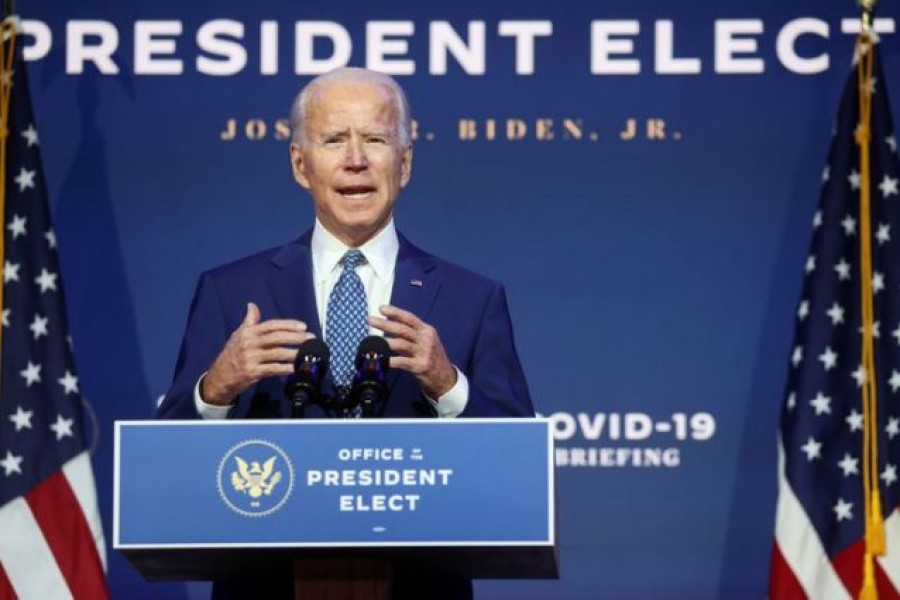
868,8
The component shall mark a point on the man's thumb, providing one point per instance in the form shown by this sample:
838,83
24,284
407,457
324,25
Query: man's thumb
252,317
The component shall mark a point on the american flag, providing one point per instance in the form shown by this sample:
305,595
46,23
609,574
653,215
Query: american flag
51,542
820,525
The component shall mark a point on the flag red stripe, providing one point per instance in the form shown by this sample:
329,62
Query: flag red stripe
6,590
783,584
849,566
59,515
886,590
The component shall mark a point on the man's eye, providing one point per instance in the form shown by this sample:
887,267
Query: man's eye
332,141
377,140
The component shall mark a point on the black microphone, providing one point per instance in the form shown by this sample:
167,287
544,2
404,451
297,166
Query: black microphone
310,367
369,387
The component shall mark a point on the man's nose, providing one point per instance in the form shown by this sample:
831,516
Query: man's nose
356,159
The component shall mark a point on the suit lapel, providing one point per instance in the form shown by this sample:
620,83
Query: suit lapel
292,286
416,285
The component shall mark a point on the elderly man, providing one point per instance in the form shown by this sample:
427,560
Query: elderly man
448,330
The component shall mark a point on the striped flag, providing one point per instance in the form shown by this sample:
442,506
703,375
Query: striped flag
833,444
51,542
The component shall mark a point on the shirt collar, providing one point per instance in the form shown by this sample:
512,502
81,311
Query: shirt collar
380,251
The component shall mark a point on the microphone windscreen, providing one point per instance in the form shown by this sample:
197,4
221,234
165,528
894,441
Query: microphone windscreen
372,346
314,349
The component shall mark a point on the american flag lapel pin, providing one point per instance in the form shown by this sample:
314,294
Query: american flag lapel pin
416,283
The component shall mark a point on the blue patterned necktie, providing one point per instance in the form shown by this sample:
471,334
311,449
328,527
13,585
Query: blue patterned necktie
345,321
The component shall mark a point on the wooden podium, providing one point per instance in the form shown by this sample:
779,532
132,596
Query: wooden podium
338,502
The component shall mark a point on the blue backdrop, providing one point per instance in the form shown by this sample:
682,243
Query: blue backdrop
653,274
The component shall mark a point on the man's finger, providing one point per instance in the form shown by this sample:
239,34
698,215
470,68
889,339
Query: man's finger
273,339
273,355
391,327
400,346
274,370
403,363
403,316
281,325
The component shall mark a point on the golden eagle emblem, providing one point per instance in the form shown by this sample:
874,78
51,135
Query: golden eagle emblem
253,479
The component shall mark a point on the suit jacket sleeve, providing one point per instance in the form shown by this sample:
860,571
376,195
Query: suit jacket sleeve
497,386
204,338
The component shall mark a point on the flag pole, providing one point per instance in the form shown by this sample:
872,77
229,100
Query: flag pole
7,53
874,526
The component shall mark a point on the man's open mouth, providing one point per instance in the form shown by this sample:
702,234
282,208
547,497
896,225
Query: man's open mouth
355,191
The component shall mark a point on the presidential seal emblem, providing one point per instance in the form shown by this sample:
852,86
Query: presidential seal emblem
255,478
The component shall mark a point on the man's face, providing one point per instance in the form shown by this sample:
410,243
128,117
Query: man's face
351,160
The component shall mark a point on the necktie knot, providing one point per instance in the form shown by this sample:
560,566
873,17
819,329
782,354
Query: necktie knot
352,259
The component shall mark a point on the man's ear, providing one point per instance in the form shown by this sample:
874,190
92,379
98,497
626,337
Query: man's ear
298,165
406,166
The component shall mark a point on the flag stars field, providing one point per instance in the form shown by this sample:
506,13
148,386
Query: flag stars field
11,464
11,273
31,373
835,313
876,330
791,401
39,326
69,383
797,356
31,136
877,282
821,403
849,465
843,270
843,510
812,449
21,418
889,475
849,225
17,226
894,381
811,264
859,375
893,427
46,280
62,427
855,420
25,179
803,310
829,359
888,186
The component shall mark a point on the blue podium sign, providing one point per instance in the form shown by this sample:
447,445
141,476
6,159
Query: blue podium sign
468,483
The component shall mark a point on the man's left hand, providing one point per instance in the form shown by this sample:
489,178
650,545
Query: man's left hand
418,349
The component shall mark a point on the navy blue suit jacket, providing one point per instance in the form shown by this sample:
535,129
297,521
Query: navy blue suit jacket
469,312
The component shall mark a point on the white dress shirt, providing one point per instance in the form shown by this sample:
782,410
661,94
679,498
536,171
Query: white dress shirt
377,275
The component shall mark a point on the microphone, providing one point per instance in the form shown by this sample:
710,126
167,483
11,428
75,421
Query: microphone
369,387
310,367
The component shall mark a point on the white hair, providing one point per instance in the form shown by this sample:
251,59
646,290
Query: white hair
300,107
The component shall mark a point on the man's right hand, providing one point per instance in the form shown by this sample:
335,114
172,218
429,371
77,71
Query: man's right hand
255,350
